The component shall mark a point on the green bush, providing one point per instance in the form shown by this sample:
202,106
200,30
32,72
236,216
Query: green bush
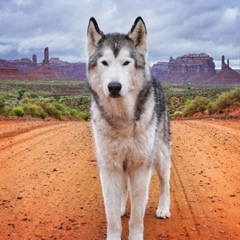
32,105
2,105
5,111
21,94
52,111
33,95
225,100
62,108
17,111
34,110
199,104
80,115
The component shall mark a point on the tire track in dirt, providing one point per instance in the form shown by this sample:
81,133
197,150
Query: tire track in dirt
42,184
50,187
10,138
210,190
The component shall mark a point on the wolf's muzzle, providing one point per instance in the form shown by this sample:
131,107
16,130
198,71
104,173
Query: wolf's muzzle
114,89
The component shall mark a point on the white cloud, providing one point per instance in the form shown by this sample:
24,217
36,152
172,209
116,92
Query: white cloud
231,14
5,48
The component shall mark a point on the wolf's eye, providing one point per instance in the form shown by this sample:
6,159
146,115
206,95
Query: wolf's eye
126,63
104,63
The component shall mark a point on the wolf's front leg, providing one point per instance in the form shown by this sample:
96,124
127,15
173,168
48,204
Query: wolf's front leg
139,185
112,188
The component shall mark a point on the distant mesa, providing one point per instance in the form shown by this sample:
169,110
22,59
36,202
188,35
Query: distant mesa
49,69
75,71
8,72
47,72
189,68
194,68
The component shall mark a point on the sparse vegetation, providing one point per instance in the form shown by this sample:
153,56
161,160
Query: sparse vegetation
71,100
44,108
199,104
19,99
223,101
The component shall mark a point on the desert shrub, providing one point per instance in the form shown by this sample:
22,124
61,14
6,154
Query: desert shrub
2,104
82,102
225,100
80,115
34,110
21,94
18,111
33,95
62,108
199,104
52,111
5,111
175,114
31,105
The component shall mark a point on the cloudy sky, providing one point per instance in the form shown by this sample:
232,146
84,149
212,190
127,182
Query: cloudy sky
175,27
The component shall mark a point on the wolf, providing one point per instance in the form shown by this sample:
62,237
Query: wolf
130,125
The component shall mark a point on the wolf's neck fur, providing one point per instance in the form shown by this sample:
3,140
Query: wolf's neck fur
124,109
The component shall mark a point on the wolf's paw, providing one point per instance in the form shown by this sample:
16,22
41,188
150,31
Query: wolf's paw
163,212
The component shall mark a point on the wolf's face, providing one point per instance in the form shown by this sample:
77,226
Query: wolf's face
116,61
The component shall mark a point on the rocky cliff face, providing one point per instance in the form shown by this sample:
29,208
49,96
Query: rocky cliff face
47,72
25,65
160,69
187,68
49,68
73,70
70,71
192,63
7,72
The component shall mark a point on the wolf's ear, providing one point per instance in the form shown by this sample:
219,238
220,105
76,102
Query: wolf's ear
94,35
138,34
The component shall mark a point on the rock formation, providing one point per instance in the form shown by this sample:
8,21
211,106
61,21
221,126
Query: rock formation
192,63
34,60
64,70
46,56
73,70
227,75
24,65
7,72
160,69
47,72
188,68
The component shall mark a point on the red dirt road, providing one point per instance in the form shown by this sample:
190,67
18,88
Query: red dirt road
50,188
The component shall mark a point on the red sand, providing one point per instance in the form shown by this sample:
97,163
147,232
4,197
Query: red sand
50,188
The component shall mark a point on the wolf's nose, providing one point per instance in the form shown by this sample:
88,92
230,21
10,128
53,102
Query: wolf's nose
114,89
